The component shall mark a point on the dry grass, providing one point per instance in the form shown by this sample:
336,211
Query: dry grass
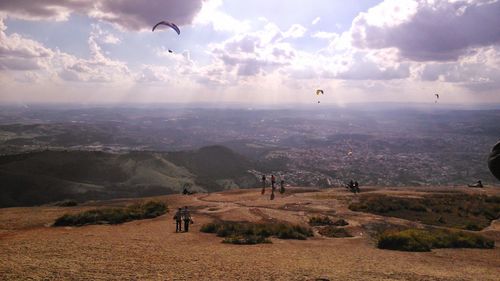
151,250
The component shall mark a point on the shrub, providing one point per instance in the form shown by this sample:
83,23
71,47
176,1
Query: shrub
340,222
320,221
252,233
246,240
66,203
317,221
209,228
460,210
420,240
146,210
335,232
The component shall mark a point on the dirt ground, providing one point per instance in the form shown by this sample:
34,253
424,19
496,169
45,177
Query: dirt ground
30,249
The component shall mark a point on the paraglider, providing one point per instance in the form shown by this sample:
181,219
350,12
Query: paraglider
319,92
169,24
437,98
494,161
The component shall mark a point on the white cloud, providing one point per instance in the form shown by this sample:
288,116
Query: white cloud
325,35
111,39
210,14
428,30
19,53
295,31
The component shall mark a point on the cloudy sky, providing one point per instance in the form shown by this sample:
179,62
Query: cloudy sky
256,52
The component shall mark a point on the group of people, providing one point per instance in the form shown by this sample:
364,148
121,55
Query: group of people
353,186
273,185
182,215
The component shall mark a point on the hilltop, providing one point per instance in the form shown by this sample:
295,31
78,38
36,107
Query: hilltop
41,177
151,250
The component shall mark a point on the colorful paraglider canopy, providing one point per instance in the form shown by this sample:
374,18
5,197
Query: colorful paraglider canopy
494,161
169,24
319,91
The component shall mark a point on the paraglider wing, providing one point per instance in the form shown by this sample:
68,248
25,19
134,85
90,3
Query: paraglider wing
169,24
494,161
437,96
319,91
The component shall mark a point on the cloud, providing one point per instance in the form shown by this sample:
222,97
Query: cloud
138,15
58,10
129,15
98,68
479,71
428,30
19,53
210,14
104,36
153,73
295,31
325,35
111,39
257,53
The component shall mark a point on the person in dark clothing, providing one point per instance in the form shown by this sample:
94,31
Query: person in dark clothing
282,186
273,182
186,216
350,185
263,184
494,161
178,220
356,187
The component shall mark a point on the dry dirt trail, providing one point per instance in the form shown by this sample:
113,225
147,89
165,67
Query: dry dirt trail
151,250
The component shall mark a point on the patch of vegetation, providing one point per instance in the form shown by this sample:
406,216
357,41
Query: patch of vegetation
139,211
246,240
420,240
333,231
324,220
253,233
463,211
66,203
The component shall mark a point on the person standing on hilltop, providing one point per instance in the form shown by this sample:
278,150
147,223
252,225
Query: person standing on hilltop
186,216
263,184
350,185
273,187
282,185
178,220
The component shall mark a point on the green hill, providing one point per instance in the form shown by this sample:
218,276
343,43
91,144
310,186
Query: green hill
42,177
216,167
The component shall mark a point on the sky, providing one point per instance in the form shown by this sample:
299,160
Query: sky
264,52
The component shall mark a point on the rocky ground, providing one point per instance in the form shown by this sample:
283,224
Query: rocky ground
30,249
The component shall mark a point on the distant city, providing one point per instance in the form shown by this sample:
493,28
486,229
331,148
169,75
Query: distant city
306,147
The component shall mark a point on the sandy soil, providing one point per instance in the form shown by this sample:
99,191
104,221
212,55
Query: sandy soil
151,250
